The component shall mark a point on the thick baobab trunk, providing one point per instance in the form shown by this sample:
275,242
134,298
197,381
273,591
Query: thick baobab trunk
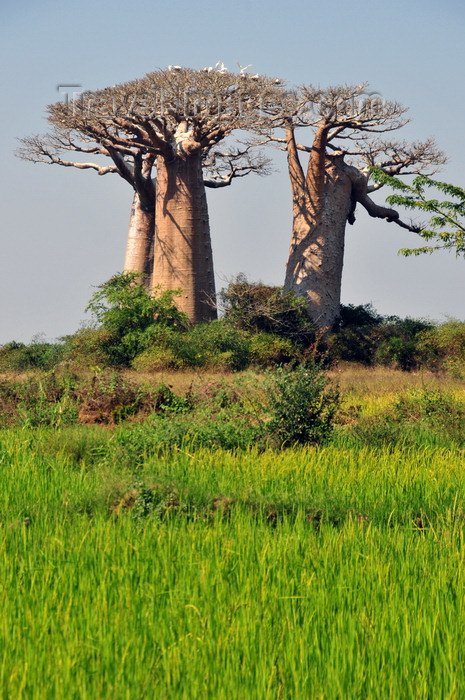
314,267
322,204
139,248
324,201
183,253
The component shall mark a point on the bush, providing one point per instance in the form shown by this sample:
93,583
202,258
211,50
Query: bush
38,355
156,359
256,307
302,404
364,316
88,348
130,317
438,411
398,353
218,345
425,416
443,347
354,336
366,337
351,345
227,428
399,343
263,325
214,345
267,349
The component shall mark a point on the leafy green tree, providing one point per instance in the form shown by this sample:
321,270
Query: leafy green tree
131,316
446,227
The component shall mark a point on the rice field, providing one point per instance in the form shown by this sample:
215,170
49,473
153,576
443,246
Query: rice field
309,573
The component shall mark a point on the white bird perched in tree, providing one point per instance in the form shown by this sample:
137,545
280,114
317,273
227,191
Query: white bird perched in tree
221,68
255,77
206,70
171,68
243,68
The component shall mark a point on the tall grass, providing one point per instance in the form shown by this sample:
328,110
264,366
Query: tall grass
322,573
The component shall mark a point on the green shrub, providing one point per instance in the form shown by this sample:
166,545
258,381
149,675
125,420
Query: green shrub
162,350
366,337
167,401
219,345
399,343
352,345
214,345
88,348
267,349
131,316
302,404
156,359
436,410
257,307
38,355
425,416
361,316
224,428
354,336
443,347
399,353
123,304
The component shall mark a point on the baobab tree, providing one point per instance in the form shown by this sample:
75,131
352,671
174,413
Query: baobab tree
349,130
220,168
132,164
174,119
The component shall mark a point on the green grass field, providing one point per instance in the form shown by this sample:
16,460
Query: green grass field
331,572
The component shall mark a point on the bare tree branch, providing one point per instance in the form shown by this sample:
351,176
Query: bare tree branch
222,167
38,149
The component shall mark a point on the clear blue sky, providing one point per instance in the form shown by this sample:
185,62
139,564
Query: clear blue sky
63,231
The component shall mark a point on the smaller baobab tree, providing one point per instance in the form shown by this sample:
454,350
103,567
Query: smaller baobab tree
175,119
132,164
349,128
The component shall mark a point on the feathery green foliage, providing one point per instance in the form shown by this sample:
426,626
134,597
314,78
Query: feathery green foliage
446,227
